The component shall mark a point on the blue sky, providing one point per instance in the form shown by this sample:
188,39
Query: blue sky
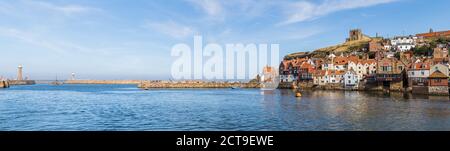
121,39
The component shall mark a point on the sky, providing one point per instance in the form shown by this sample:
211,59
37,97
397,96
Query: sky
122,39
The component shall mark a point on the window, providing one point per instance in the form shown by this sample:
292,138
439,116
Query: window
423,73
412,73
349,81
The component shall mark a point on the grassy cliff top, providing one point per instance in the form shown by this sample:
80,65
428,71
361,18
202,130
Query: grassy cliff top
345,47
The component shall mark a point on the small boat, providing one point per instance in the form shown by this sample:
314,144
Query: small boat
234,87
298,94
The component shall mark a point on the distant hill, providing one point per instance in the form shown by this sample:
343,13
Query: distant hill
356,41
345,47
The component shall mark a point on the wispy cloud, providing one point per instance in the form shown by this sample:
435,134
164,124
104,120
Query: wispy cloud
57,46
67,9
306,10
31,39
217,10
171,28
211,7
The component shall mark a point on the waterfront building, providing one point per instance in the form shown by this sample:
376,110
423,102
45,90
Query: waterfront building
371,65
305,72
337,76
418,76
362,67
438,83
351,79
321,77
440,67
285,73
439,79
390,73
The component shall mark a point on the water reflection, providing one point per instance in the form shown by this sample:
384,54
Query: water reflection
111,107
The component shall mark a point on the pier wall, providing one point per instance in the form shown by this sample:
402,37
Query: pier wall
147,85
4,84
285,85
22,82
438,90
103,81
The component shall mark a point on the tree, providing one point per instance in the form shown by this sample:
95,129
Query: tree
397,55
423,51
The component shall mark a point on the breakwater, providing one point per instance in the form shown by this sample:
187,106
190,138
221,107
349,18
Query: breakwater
195,84
4,84
102,81
21,82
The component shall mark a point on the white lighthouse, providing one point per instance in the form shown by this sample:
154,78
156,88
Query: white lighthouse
72,76
19,73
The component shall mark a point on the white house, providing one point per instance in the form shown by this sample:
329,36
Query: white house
340,66
403,39
363,67
351,79
404,43
336,77
419,73
322,77
328,66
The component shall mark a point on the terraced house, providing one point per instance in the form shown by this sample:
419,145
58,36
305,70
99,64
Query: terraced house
391,73
418,76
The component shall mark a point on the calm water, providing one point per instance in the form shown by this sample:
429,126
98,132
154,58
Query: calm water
124,107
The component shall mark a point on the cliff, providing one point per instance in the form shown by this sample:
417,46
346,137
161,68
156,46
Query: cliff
345,47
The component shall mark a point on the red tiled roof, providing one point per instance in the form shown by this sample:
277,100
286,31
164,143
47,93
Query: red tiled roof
434,34
438,74
320,72
340,60
369,61
341,72
421,66
353,58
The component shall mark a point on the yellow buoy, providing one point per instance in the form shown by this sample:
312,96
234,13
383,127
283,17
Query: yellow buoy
298,94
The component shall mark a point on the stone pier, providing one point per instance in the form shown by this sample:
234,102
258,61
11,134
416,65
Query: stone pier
195,84
102,81
4,84
22,82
